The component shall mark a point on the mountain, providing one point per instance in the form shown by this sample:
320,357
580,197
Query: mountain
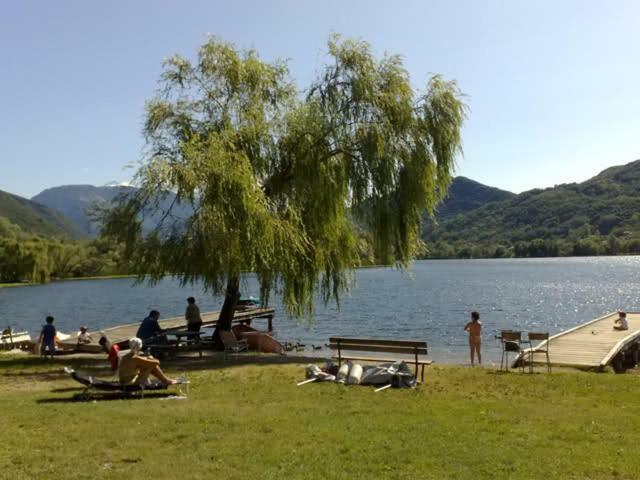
607,205
465,194
33,217
77,201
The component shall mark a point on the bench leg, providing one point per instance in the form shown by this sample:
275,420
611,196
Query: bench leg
422,374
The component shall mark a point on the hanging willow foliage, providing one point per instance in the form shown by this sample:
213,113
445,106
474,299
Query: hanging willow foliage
278,180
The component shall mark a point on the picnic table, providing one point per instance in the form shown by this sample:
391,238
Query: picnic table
185,340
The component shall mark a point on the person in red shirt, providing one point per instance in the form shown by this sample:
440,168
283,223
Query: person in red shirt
111,350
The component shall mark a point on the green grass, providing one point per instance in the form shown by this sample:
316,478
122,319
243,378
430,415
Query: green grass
15,284
251,421
70,279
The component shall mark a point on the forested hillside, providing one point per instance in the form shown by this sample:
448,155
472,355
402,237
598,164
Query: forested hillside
33,217
598,216
27,257
465,194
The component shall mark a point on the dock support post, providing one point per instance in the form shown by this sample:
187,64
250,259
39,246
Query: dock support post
270,322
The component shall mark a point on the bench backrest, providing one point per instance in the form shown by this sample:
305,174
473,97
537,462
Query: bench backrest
407,347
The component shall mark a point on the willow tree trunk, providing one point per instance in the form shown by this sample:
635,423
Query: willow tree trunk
231,298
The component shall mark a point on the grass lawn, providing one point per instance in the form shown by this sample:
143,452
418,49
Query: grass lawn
251,421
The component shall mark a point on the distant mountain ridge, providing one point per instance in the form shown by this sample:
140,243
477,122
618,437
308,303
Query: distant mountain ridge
607,205
465,195
77,201
602,210
33,217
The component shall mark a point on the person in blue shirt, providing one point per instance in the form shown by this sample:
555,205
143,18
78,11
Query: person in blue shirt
47,338
149,327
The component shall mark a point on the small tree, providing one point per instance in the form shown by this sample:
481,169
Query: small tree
278,180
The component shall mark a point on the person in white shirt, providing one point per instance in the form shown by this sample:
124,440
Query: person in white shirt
621,322
83,335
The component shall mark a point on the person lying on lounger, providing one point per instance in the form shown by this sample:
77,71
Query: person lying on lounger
134,368
621,322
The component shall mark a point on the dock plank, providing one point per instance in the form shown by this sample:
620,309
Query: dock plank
120,333
591,344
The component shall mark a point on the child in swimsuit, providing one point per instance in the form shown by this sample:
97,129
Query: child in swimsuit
474,327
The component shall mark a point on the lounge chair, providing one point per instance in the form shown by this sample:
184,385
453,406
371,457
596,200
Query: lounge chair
91,383
231,343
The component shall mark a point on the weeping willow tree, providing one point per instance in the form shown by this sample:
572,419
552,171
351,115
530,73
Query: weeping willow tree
281,183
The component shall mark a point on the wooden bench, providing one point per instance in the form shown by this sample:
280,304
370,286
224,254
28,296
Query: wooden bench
194,341
409,349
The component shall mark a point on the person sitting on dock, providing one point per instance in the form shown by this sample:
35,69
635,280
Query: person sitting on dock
621,322
150,328
474,327
47,339
111,350
192,316
135,368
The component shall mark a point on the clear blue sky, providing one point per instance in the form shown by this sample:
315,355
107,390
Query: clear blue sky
552,85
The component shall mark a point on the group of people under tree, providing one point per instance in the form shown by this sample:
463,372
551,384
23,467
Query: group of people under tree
132,366
150,329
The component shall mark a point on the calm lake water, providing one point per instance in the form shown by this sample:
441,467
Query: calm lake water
432,301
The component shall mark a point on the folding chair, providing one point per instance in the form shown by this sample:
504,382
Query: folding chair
511,341
542,347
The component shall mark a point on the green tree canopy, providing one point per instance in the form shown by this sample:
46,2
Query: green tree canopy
278,179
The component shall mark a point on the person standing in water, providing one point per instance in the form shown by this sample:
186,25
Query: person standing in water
474,327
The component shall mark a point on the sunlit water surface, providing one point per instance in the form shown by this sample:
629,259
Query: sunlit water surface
432,301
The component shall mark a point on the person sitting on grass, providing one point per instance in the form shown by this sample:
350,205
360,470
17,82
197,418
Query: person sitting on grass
135,369
111,350
621,322
83,336
474,327
47,339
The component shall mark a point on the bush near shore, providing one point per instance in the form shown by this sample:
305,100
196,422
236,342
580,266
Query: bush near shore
251,421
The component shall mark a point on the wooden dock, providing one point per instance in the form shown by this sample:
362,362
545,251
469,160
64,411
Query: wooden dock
594,344
122,333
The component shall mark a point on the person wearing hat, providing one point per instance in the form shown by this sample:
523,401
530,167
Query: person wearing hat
192,315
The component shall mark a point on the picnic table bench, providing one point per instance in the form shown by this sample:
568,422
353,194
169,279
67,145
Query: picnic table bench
409,351
194,342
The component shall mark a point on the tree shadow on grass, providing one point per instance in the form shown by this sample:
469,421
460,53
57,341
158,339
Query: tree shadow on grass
29,365
40,370
106,397
500,372
66,390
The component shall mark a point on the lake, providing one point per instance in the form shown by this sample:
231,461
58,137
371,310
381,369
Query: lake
431,301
